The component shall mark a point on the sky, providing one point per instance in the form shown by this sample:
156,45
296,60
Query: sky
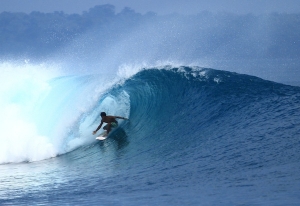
158,6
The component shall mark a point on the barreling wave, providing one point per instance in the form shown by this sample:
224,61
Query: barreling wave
185,108
188,106
201,97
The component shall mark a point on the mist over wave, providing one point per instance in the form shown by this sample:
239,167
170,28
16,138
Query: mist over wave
246,44
101,39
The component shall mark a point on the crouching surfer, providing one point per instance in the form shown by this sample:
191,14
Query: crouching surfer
110,120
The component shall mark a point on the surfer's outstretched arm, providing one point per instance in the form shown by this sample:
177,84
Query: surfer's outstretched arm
118,117
94,132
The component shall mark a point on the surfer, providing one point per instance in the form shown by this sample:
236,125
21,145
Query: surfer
110,120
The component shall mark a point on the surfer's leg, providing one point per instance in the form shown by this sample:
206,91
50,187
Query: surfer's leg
108,126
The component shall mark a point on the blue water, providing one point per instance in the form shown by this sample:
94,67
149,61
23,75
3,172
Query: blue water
195,136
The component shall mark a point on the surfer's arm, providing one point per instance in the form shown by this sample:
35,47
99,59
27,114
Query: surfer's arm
94,132
119,117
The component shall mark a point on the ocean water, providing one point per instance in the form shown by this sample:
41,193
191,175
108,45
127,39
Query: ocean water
195,136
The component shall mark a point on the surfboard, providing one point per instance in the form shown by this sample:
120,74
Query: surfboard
102,136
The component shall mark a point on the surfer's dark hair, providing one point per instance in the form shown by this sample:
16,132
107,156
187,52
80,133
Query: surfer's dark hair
103,114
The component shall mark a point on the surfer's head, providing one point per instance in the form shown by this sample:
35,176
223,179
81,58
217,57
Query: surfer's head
103,114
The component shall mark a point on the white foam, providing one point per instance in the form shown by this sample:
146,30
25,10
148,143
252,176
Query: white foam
20,89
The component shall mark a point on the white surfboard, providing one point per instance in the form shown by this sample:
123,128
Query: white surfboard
102,136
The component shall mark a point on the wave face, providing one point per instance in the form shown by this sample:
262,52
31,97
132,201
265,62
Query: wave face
195,136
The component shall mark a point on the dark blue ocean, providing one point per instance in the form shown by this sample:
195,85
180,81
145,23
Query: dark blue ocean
195,136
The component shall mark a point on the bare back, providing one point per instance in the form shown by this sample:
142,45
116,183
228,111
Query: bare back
109,119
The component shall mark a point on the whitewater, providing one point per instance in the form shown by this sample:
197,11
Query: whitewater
195,136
